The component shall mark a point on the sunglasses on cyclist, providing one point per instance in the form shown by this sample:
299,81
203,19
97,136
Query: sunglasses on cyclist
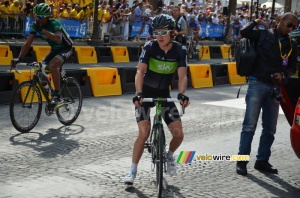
41,16
162,33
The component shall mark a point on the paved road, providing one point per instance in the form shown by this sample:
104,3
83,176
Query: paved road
90,158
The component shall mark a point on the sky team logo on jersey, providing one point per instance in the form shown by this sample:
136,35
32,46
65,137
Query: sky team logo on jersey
166,68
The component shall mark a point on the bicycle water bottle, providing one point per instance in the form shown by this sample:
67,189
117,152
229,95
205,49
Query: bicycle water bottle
46,87
295,130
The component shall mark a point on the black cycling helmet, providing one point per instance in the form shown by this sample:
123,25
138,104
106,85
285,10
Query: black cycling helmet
163,21
42,9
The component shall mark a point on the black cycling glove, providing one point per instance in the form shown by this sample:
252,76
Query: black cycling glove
14,62
182,97
137,97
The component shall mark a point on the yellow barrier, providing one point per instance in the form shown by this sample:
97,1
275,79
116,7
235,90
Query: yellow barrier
86,54
120,54
105,81
5,55
206,52
41,52
25,76
201,75
225,51
234,78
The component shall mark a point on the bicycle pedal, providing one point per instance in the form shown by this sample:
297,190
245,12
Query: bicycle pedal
59,105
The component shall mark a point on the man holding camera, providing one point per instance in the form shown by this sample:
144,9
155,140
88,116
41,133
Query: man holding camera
276,61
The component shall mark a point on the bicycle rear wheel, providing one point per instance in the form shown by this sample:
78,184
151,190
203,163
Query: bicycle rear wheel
200,51
231,53
160,160
68,111
25,106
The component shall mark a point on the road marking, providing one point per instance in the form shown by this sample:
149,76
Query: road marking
238,103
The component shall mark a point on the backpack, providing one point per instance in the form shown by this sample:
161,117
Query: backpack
246,54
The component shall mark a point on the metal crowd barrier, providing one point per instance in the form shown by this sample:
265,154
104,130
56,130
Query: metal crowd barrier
14,25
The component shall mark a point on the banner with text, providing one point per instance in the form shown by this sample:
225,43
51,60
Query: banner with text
208,30
213,30
75,28
136,26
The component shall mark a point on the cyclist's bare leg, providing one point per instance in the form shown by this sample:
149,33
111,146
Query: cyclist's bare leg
138,148
177,133
54,65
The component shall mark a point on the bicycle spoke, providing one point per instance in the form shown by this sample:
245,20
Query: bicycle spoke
71,96
25,115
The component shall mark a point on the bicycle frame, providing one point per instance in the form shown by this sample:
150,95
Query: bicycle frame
36,79
156,121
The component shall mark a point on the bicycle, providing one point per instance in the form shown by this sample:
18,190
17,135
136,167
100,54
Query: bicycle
234,44
195,50
28,96
156,144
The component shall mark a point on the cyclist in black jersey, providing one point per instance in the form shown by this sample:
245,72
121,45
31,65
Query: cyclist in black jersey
159,60
61,44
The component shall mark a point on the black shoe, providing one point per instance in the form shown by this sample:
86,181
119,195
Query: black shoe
265,166
55,100
241,168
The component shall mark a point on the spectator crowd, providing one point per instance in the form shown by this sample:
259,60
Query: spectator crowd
117,18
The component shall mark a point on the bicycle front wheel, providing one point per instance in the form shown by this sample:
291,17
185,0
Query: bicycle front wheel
25,107
160,161
68,111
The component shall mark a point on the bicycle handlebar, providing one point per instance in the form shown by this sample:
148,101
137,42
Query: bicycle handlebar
33,64
160,99
181,110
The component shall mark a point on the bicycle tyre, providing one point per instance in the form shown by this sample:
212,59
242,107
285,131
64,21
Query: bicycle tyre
32,98
160,161
188,52
200,52
230,53
71,97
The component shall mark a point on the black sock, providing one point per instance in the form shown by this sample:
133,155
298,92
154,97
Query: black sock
56,93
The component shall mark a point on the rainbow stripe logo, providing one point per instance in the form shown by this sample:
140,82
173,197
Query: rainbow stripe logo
186,157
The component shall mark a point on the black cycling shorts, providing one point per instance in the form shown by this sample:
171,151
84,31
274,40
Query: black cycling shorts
63,54
169,111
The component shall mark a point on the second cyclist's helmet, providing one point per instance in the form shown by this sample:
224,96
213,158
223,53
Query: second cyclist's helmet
42,9
163,21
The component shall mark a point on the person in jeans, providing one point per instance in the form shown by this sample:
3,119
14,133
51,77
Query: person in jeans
153,81
275,62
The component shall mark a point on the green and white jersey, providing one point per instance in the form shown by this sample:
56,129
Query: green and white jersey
52,26
161,65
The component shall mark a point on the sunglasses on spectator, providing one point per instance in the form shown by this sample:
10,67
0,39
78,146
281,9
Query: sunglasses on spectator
162,33
291,25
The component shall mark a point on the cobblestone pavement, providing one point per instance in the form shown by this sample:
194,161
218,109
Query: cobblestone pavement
91,157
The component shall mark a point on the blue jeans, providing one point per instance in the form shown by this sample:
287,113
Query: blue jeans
259,97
